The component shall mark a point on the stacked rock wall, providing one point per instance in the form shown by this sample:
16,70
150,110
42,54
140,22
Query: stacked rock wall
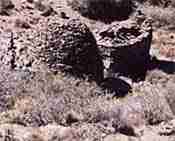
125,47
72,47
121,48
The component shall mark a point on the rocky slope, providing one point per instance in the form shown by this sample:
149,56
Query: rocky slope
69,76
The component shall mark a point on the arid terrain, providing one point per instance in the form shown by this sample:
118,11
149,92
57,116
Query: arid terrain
87,70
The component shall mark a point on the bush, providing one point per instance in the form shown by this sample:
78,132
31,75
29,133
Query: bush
105,10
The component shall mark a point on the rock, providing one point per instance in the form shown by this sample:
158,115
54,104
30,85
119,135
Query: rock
103,10
125,47
167,128
72,47
49,132
5,5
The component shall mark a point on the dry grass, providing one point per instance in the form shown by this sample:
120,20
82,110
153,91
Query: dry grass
42,98
45,92
162,17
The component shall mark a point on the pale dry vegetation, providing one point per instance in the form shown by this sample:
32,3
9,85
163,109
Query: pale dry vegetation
162,17
42,98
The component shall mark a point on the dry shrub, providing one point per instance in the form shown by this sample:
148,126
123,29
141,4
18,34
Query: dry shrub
162,17
155,105
51,97
105,10
42,98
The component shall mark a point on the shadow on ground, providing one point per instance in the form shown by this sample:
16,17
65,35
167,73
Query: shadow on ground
163,65
117,86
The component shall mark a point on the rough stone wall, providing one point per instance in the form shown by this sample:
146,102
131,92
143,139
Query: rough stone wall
72,47
125,47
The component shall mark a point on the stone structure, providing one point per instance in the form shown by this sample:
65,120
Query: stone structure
125,47
18,49
72,47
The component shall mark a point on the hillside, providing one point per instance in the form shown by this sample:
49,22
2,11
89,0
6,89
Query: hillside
87,70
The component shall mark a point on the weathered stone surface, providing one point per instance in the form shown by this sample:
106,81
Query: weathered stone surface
18,50
125,47
72,47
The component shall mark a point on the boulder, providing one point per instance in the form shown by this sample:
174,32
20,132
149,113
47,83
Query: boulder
71,47
125,47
